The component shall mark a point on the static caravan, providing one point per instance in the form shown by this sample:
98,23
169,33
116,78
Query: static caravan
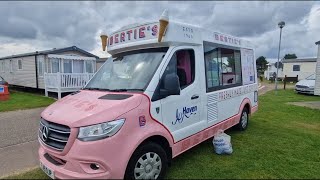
317,81
57,70
167,87
301,67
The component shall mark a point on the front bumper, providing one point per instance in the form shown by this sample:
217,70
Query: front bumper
77,162
305,90
72,169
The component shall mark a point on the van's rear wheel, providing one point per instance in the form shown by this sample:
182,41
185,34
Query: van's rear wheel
244,120
149,161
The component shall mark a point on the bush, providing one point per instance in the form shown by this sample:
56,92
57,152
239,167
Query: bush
261,78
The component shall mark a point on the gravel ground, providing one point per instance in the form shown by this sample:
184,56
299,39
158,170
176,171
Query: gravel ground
19,126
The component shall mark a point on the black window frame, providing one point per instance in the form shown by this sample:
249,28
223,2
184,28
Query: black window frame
295,69
193,63
221,86
156,95
19,60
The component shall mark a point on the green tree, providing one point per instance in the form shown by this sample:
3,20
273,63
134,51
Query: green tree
280,65
290,56
261,63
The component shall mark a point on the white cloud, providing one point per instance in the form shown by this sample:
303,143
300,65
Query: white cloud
30,26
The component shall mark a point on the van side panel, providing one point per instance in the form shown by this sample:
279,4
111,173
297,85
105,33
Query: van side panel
189,142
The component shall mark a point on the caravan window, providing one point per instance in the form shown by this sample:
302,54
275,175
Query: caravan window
2,66
223,67
11,66
67,66
19,64
78,66
89,66
54,65
296,67
40,67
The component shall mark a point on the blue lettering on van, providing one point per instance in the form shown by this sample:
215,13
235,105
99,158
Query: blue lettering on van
186,113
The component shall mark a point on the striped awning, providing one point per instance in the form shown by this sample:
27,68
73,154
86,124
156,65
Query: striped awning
71,57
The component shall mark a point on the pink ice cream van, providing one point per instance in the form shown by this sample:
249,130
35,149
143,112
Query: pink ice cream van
167,87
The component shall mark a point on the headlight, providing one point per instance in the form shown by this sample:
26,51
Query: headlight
100,131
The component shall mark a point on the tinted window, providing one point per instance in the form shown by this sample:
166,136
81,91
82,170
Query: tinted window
183,64
296,67
19,64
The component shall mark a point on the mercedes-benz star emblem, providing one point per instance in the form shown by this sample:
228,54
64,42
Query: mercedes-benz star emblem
45,133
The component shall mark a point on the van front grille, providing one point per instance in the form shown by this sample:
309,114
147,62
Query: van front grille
54,135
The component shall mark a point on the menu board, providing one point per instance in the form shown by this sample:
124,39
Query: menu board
248,70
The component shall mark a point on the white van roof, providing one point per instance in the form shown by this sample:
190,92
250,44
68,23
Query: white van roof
139,36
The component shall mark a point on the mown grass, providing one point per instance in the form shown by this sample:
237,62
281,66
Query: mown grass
282,141
22,100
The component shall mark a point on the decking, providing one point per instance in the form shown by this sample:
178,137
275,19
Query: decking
65,82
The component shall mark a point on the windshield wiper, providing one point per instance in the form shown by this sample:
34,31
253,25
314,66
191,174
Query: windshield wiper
125,90
99,89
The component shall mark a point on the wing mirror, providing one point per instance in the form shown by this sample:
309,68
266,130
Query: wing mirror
170,85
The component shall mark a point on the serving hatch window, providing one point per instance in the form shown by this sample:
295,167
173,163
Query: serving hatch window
223,67
130,71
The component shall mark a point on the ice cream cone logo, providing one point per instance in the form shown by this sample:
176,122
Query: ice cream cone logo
164,21
104,39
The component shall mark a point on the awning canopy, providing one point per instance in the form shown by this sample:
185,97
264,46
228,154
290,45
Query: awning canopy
71,57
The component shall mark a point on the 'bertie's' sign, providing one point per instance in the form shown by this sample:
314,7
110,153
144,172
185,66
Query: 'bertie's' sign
143,32
227,39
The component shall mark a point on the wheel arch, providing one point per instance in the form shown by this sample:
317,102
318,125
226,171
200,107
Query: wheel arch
246,103
248,107
162,141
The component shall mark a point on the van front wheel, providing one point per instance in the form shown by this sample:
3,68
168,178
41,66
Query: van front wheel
244,120
149,161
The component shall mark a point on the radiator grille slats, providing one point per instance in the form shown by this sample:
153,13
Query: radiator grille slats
54,135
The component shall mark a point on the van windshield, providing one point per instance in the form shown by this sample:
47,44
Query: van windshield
130,71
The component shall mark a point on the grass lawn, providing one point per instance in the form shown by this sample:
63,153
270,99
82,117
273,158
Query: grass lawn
22,100
282,141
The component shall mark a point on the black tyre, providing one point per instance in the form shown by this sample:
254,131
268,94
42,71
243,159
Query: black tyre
244,120
149,161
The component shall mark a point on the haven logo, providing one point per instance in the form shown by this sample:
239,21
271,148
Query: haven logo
186,112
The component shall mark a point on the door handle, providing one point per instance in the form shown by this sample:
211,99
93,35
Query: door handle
195,97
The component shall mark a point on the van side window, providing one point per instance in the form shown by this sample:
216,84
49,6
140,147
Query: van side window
231,67
223,67
212,66
183,64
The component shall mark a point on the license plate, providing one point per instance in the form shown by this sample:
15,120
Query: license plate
47,170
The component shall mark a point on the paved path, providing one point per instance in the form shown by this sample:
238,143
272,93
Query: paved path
309,104
18,142
270,86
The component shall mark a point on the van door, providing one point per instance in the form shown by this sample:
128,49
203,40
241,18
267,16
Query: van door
181,113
